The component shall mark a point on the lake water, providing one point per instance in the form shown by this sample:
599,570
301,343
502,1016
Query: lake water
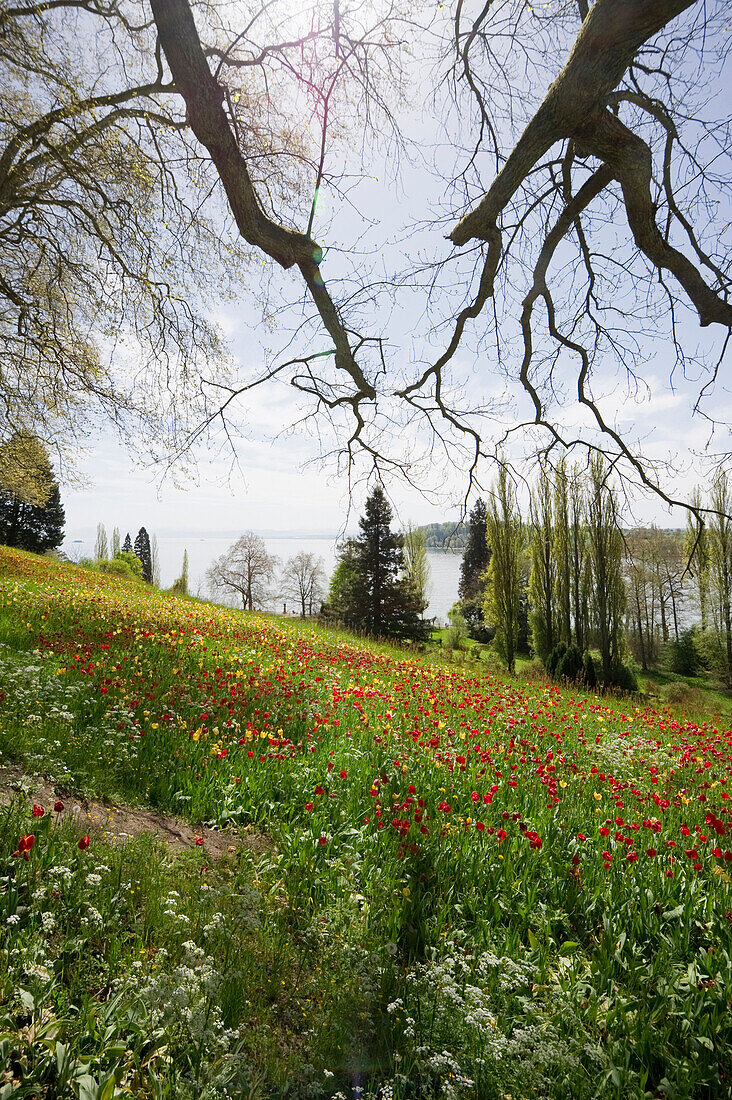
444,568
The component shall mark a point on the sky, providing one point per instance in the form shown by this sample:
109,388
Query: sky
278,485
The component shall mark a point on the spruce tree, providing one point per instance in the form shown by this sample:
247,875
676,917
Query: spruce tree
374,598
144,553
127,544
29,526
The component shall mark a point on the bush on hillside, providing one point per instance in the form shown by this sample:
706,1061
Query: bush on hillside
682,655
569,665
589,673
126,564
555,656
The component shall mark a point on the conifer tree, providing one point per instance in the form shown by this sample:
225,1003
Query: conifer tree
127,544
375,598
144,553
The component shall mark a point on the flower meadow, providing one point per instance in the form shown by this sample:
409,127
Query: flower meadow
439,884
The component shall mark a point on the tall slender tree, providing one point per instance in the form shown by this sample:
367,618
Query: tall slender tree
606,549
720,563
416,565
543,618
101,550
505,534
561,553
115,545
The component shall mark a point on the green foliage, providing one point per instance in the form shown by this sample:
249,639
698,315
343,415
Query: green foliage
456,633
416,566
503,598
554,657
144,552
125,564
682,654
368,594
570,664
588,670
624,676
180,584
27,525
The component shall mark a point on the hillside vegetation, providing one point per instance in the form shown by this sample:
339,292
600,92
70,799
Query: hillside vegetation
438,885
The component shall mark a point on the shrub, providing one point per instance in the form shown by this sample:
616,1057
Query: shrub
555,657
624,676
125,564
682,655
457,631
569,665
681,694
589,673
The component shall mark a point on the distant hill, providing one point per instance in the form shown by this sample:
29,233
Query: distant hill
451,537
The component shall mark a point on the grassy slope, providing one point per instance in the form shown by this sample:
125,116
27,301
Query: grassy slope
472,887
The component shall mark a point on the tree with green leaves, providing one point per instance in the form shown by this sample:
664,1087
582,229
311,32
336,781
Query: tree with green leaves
416,565
144,553
606,553
505,534
720,565
115,545
561,553
155,561
37,527
24,468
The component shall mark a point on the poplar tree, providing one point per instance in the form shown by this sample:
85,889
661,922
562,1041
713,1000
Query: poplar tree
543,578
561,552
505,536
720,562
606,550
416,565
116,545
155,561
100,548
580,563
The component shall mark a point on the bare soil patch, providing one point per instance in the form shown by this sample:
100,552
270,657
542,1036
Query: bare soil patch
119,822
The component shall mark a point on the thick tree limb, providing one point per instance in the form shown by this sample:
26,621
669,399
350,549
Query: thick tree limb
612,33
203,97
